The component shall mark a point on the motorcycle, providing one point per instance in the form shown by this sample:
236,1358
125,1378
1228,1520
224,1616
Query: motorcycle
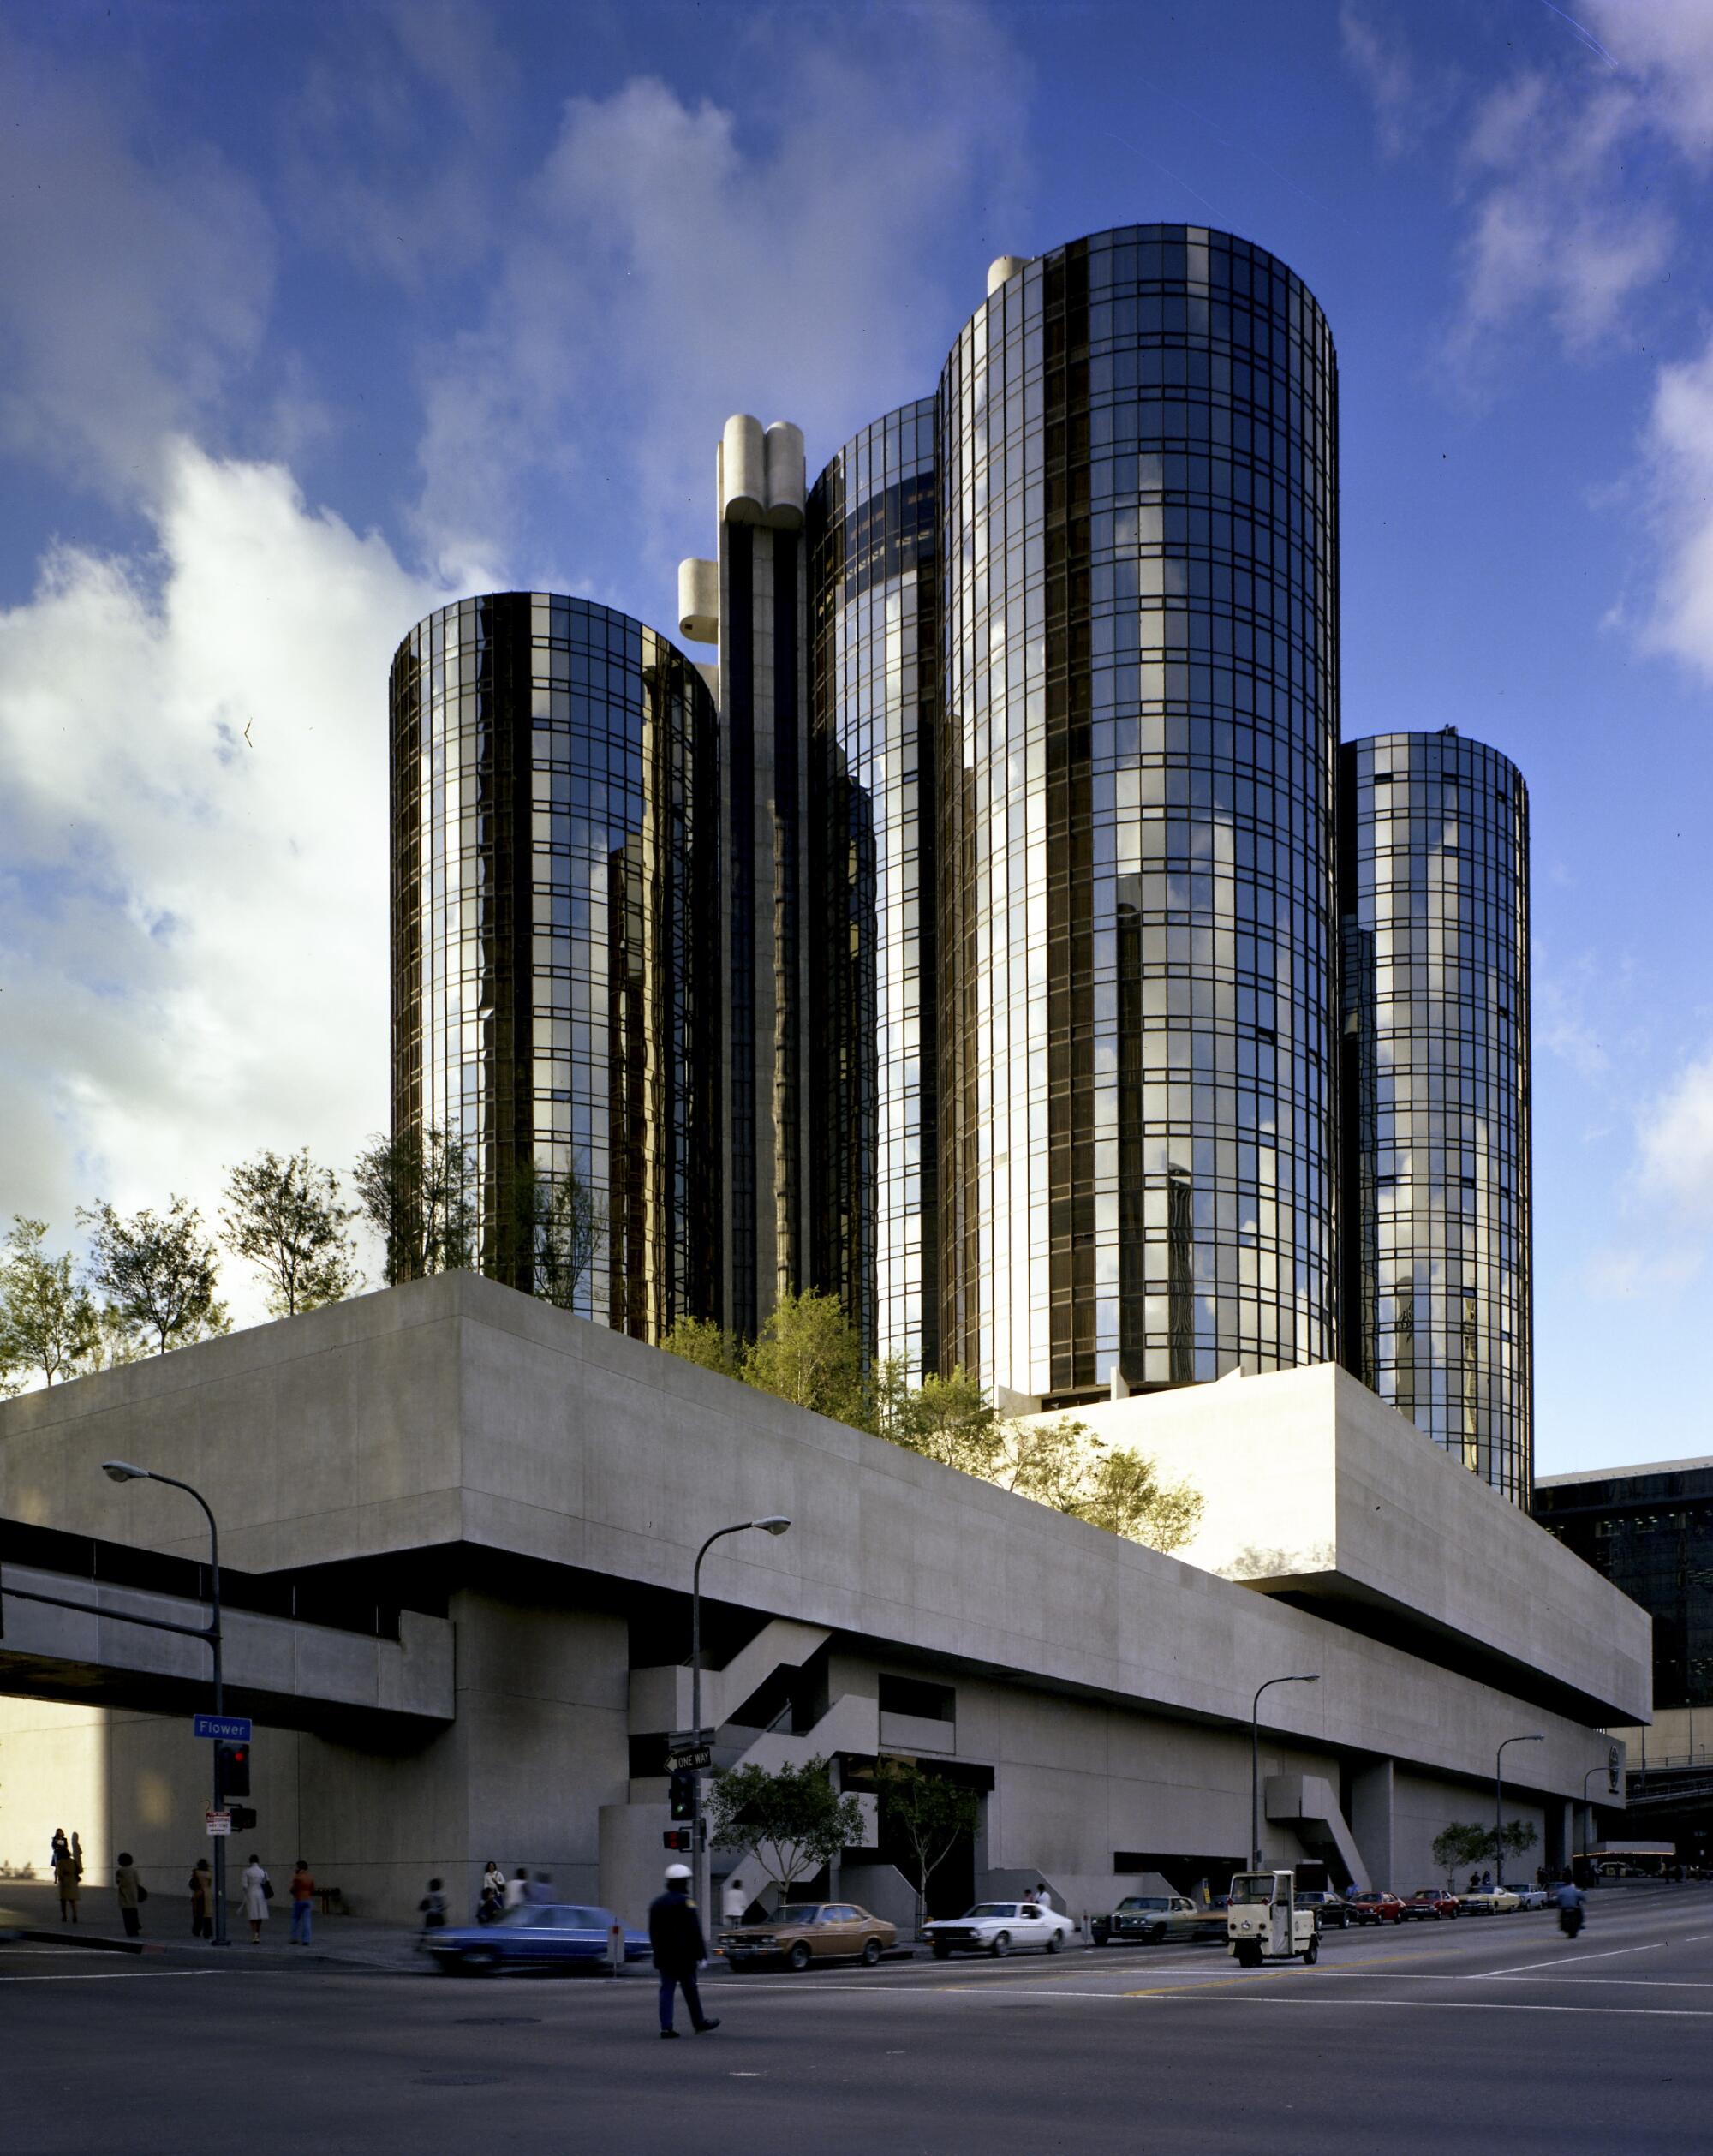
1570,1921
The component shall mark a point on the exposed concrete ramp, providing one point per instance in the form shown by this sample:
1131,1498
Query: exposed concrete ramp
1308,1800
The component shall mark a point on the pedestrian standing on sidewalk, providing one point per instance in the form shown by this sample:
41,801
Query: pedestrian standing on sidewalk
517,1889
65,1885
130,1890
258,1892
734,1901
61,1848
302,1893
201,1901
490,1908
675,1934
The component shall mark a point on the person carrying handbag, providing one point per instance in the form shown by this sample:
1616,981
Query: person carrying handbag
257,1893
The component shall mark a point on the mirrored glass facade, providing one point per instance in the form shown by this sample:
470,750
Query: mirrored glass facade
556,903
873,655
1434,874
1137,443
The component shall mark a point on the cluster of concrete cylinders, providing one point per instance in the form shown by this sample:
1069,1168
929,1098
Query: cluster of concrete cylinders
761,480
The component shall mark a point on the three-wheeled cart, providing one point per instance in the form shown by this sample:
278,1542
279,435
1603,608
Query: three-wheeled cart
1263,1923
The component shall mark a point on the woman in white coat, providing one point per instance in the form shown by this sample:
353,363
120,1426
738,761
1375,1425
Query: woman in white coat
255,1885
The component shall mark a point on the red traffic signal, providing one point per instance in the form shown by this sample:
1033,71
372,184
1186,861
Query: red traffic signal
234,1768
675,1837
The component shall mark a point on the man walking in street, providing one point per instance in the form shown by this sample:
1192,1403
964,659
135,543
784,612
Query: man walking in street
303,1892
675,1934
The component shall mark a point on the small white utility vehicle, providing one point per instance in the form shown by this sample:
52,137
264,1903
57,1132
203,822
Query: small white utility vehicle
1264,1924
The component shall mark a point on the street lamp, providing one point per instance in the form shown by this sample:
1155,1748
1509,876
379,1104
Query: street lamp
774,1524
1601,1766
1255,1763
122,1471
1534,1736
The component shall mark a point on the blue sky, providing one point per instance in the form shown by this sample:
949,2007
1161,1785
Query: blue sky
312,316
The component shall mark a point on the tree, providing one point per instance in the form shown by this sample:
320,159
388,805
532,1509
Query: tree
559,1227
791,1822
928,1812
415,1192
1123,1493
159,1271
283,1217
699,1341
48,1322
809,1352
1463,1843
944,1418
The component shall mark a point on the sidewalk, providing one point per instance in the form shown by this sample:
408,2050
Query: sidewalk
32,1905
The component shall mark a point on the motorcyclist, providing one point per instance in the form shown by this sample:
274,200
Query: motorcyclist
1571,1909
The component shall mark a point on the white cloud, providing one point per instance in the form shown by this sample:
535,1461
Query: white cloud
668,267
132,288
193,814
1680,453
1676,1134
1623,1274
1408,98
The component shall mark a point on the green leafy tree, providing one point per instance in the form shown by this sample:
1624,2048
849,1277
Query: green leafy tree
1045,1460
1465,1843
48,1320
283,1216
1122,1493
809,1352
159,1271
415,1192
791,1822
119,1339
929,1813
699,1341
944,1418
557,1222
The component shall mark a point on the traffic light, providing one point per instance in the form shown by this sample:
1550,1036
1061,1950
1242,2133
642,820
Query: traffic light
683,1795
243,1818
676,1837
235,1769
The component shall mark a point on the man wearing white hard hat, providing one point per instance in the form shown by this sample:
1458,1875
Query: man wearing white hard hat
675,1934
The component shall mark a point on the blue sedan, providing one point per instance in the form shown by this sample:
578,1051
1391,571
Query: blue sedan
536,1935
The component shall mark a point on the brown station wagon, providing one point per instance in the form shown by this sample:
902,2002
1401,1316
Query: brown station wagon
805,1931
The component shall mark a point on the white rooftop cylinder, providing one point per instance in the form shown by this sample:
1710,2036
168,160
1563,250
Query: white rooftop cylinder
743,470
699,600
1002,269
786,477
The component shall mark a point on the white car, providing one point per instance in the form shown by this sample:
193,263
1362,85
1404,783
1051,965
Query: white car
997,1927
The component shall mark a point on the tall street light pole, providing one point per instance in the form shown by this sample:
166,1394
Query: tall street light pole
1603,1767
1255,1763
122,1471
774,1524
1534,1736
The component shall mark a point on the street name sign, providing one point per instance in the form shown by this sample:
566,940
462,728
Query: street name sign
218,1822
229,1729
681,1740
688,1756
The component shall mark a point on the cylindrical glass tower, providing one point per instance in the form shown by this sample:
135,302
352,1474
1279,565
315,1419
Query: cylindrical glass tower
556,906
1137,442
1434,899
874,1208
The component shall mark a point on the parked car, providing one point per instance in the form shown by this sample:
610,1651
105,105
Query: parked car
997,1927
1331,1912
1149,1920
1430,1903
805,1931
1531,1898
535,1935
1492,1900
1374,1907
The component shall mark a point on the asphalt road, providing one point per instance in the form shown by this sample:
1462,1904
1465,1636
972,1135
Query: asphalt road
1481,2034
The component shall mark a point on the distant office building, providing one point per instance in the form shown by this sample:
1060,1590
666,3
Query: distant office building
751,602
1434,1092
555,964
1648,1529
874,982
1138,548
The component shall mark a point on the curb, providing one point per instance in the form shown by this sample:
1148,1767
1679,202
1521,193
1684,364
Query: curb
75,1935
